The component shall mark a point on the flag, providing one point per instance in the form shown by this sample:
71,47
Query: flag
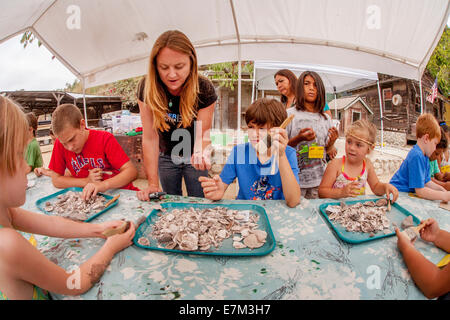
434,90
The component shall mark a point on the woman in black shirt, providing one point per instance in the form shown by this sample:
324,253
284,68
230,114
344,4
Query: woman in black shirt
176,107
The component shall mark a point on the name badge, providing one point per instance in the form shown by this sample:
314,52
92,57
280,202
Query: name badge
316,152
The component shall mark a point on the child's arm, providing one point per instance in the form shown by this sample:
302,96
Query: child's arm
439,176
57,227
445,185
431,280
126,175
326,189
443,240
305,134
432,194
23,262
379,188
433,191
333,134
290,186
42,171
213,188
432,233
63,181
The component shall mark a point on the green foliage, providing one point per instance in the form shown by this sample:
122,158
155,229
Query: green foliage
227,72
28,38
123,88
439,64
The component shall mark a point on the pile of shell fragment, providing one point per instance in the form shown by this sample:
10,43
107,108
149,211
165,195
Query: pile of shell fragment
193,229
367,217
70,205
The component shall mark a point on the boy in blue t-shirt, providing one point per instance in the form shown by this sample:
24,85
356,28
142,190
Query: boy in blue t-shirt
414,173
257,180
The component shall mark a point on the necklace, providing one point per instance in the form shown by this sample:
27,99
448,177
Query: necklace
170,103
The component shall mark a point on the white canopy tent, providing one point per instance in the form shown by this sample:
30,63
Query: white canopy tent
103,41
333,77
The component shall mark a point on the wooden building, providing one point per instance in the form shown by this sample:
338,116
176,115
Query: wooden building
348,110
400,99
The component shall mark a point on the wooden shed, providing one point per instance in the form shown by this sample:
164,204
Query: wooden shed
400,100
348,110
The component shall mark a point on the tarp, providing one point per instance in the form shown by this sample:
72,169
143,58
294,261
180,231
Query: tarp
108,40
333,77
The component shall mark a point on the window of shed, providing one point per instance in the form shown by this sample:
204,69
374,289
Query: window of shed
417,104
356,116
387,98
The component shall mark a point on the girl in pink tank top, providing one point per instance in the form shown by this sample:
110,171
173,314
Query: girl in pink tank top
348,176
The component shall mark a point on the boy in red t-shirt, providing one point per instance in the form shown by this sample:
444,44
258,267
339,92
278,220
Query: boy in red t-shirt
94,158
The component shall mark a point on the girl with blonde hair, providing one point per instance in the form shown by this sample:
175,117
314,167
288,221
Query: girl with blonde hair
176,106
347,176
25,273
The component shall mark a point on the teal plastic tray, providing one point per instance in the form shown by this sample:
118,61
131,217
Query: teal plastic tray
41,202
226,248
396,215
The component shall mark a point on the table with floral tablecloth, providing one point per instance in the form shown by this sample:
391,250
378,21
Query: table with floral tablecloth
308,262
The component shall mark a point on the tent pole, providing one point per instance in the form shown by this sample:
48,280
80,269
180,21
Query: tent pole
381,114
239,90
84,103
335,103
421,99
254,80
238,37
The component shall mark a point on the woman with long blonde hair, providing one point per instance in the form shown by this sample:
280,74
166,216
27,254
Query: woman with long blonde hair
176,107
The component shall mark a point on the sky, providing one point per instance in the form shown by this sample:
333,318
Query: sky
33,68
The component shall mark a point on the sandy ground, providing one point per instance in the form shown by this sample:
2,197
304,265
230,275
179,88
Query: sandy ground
388,153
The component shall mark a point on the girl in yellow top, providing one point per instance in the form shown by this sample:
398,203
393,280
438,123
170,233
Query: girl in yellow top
23,268
348,176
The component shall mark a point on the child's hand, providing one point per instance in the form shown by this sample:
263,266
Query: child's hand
332,152
121,241
446,176
213,188
306,134
390,189
38,171
446,196
102,227
95,175
431,230
350,190
91,190
201,160
403,241
279,140
439,176
333,134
